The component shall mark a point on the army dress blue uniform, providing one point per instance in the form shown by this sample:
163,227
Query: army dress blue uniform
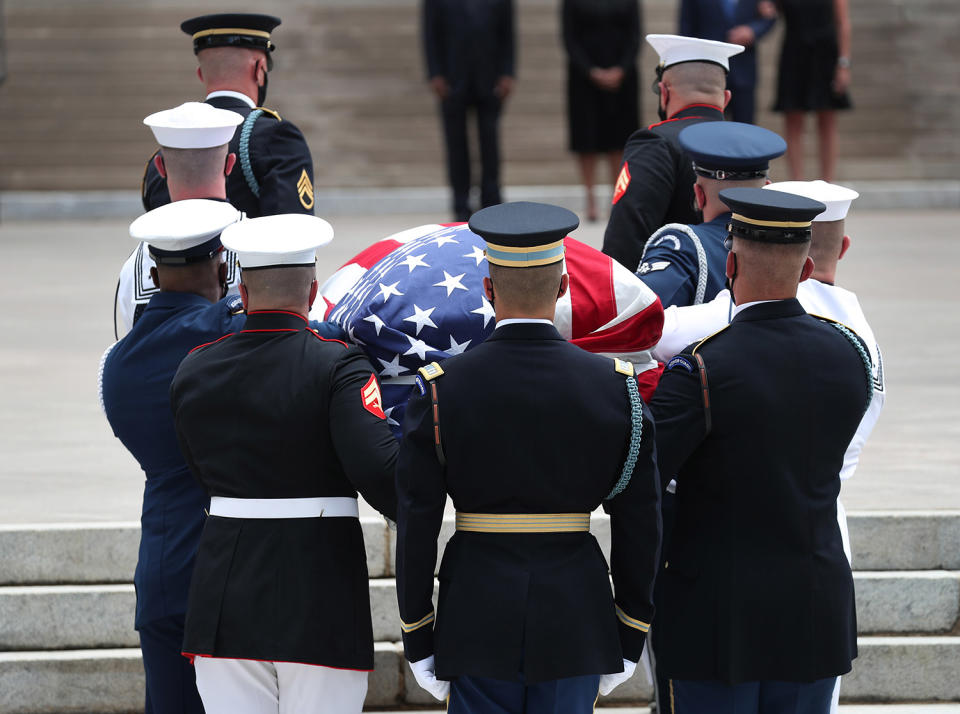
274,170
136,377
757,605
527,434
686,264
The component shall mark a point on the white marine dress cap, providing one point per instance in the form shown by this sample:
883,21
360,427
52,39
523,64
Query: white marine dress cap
674,49
836,198
181,231
275,241
193,125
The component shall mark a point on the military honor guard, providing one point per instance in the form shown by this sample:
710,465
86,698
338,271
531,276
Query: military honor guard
186,310
684,264
757,612
527,434
282,428
274,172
194,161
655,185
819,295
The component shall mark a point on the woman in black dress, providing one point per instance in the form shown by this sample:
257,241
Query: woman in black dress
602,38
814,75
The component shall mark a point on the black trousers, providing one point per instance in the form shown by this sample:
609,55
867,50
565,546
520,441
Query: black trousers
171,680
455,110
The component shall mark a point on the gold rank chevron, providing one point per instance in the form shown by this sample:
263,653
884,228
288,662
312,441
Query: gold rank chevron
423,621
305,190
523,522
632,622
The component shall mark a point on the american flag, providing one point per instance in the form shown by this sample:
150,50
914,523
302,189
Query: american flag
417,297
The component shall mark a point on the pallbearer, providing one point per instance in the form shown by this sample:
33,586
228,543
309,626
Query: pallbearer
282,428
527,434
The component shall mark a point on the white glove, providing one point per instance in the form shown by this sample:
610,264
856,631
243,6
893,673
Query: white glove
423,670
609,682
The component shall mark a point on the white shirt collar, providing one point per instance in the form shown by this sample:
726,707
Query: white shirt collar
523,320
236,95
740,308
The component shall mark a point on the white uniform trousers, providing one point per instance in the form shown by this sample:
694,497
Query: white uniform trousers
240,686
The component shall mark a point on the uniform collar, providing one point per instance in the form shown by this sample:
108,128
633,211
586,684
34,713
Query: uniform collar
232,95
166,300
694,111
522,321
525,331
274,320
769,309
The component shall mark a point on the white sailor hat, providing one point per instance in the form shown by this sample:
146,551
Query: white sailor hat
193,125
674,49
275,241
184,232
837,199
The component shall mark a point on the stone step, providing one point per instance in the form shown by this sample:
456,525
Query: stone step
107,552
54,617
892,669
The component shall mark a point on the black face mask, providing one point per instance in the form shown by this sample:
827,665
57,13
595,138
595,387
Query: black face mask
262,91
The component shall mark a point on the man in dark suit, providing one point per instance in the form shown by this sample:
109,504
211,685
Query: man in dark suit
274,172
527,434
282,427
757,610
655,185
739,22
469,49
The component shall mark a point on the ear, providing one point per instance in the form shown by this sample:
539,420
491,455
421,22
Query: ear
844,246
726,98
314,289
488,288
229,163
155,277
700,196
222,272
244,296
807,270
664,93
199,73
564,285
260,71
160,166
731,268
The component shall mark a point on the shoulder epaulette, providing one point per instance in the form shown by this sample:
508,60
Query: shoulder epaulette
706,339
430,371
623,367
272,113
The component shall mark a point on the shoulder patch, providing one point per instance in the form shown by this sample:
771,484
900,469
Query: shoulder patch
270,112
681,362
623,367
647,268
430,371
421,385
706,339
371,398
235,305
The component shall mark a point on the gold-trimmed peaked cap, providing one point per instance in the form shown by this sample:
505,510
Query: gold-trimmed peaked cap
770,216
232,29
523,234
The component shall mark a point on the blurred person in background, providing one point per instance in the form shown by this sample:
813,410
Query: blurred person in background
814,75
602,39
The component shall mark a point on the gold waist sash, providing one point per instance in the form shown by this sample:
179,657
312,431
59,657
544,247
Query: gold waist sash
523,522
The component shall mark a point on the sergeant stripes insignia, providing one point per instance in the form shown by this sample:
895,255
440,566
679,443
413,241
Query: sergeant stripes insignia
305,190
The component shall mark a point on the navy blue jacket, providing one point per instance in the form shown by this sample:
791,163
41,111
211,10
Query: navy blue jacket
529,424
708,20
756,585
281,163
655,185
684,269
471,44
135,391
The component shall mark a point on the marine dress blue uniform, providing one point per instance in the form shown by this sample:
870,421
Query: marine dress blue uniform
135,390
686,264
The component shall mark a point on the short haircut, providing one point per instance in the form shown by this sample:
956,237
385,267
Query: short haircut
775,266
286,285
713,187
826,242
700,78
527,289
194,168
222,64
